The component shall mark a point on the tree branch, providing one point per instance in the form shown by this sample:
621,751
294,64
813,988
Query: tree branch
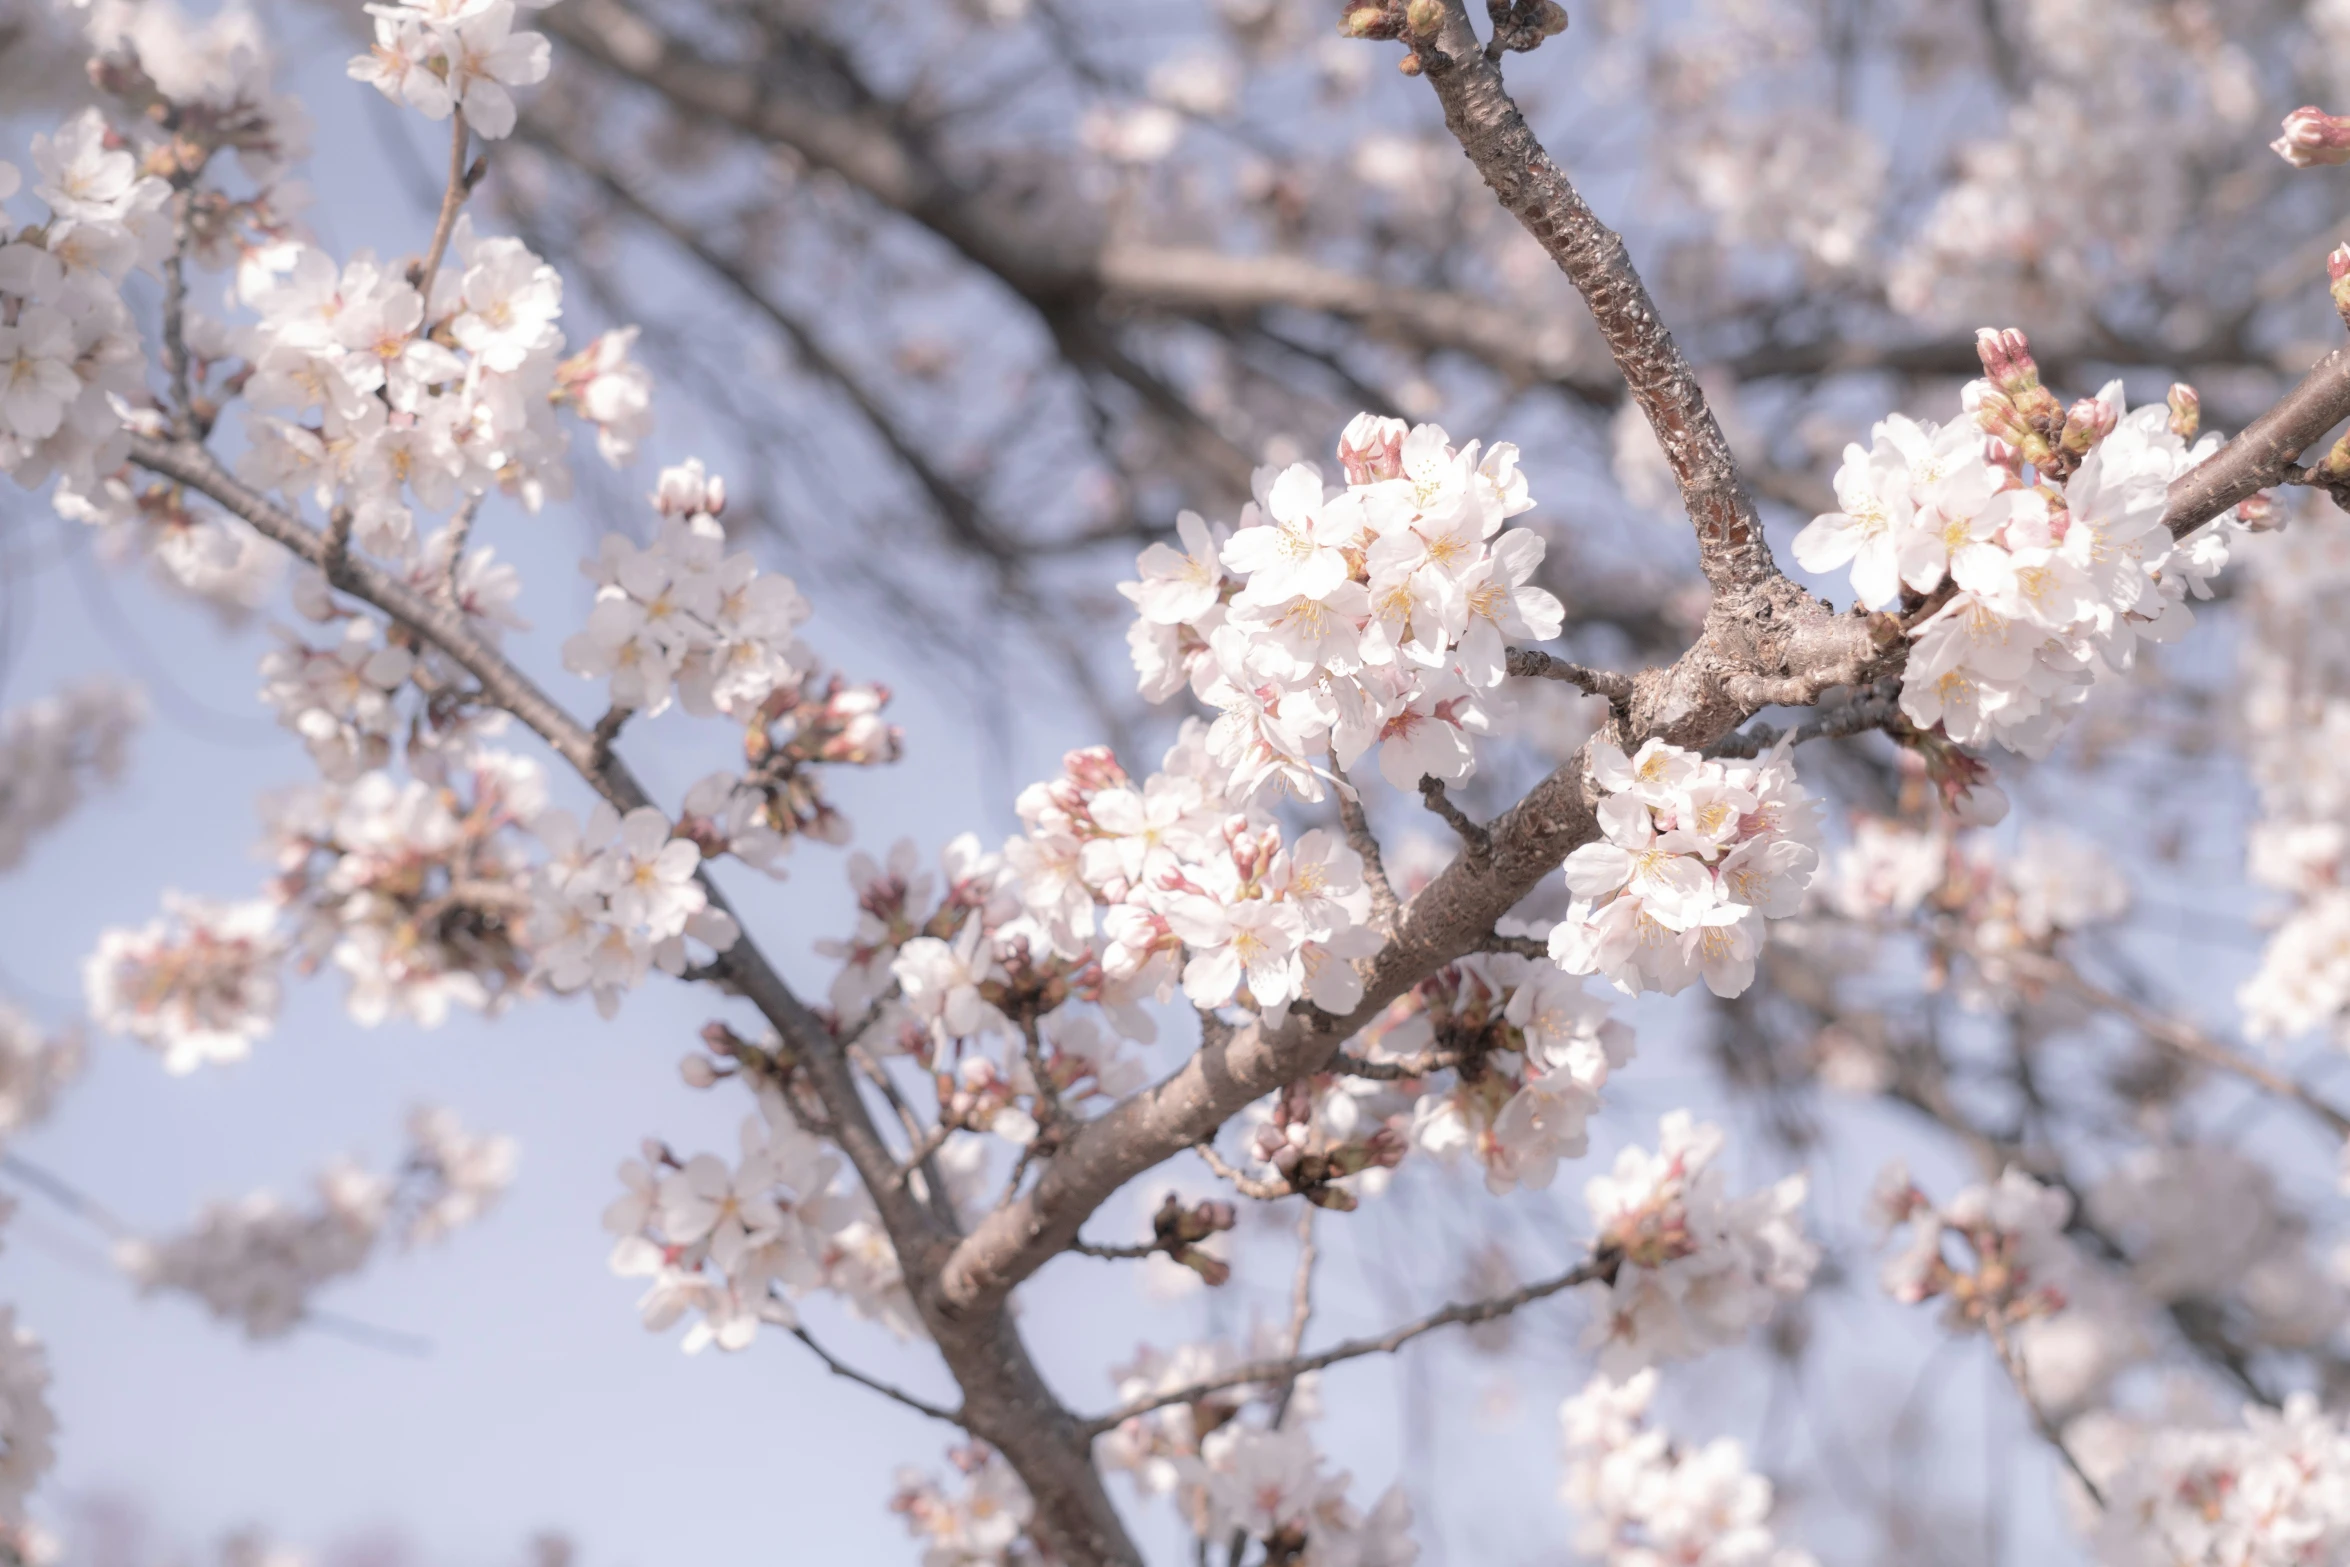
1601,1266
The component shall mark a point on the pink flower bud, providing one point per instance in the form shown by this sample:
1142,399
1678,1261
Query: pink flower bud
2186,410
2007,359
697,1071
1371,448
2261,513
2086,423
2313,136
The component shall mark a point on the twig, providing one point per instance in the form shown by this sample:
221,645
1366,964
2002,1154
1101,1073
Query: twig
1247,1185
1601,1266
1301,1305
1878,710
1533,663
1476,841
1409,1067
840,1368
1132,1253
451,199
460,535
2014,1365
2179,1036
1385,905
175,324
607,733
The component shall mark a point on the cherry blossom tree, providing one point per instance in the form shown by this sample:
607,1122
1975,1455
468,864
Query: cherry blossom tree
1432,793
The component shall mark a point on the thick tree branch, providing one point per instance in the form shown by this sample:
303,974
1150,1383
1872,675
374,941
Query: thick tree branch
2258,457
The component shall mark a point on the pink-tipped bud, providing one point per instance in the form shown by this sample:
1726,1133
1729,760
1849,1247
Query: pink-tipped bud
2338,279
2085,424
1371,448
2186,410
2313,136
2261,513
2007,359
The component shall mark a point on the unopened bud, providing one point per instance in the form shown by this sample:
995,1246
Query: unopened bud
2085,424
2186,410
2313,136
1409,65
697,1071
2336,466
1423,17
2260,513
2338,274
2007,359
1550,19
1367,21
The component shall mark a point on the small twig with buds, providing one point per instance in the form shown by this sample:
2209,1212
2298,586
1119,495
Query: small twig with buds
1533,663
1240,1180
1475,840
1600,1267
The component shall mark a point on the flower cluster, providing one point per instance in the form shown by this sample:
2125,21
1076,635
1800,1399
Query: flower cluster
460,55
1180,867
28,1429
736,1242
199,984
1268,1484
1695,854
1640,1499
1334,621
2024,546
2016,1263
1509,1056
68,344
36,1065
53,750
615,898
1696,1268
683,617
985,1524
2295,669
258,1261
417,891
2274,1492
417,403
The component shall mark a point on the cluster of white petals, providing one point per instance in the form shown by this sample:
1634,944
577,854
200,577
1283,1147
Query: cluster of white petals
1538,1047
2295,669
68,345
1268,1483
1997,1251
417,891
1641,1500
52,751
199,984
1178,875
36,1065
461,55
258,1261
28,1429
370,397
2040,566
615,898
1694,856
1698,1269
683,617
735,1242
2273,1492
982,1523
1333,621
